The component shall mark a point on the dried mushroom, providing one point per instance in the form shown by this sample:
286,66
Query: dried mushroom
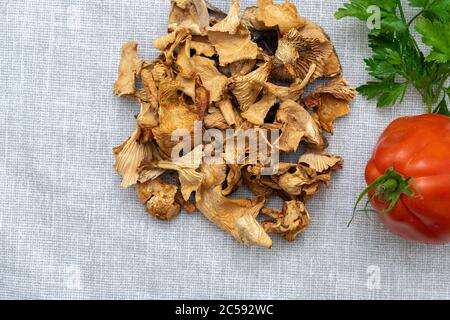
247,88
174,113
129,156
229,112
313,170
202,47
257,112
298,125
296,54
283,16
213,80
232,39
159,197
320,161
236,216
216,120
241,72
234,177
293,219
332,65
332,101
190,14
129,67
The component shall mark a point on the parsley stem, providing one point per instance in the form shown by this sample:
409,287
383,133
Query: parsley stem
402,13
415,17
427,97
440,88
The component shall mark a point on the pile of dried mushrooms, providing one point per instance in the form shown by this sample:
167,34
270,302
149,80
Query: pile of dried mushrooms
245,69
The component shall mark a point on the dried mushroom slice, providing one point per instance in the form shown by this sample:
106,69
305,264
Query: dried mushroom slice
165,41
212,79
186,167
290,222
301,179
186,86
298,125
321,161
268,185
149,172
205,68
283,16
202,97
147,118
314,170
231,23
161,72
332,64
129,68
190,14
174,114
183,61
252,179
338,88
235,216
257,112
247,88
169,43
283,93
250,20
242,67
273,94
215,120
159,197
296,54
129,156
186,205
150,86
229,112
190,178
332,101
233,179
202,47
231,39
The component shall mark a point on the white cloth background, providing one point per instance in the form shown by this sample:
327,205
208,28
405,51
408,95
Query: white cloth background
68,231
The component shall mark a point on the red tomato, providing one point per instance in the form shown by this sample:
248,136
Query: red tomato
417,147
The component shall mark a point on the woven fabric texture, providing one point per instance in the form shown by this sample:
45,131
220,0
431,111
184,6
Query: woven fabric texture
67,230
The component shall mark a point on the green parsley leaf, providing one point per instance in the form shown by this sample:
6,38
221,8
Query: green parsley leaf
387,90
380,69
433,9
386,59
392,23
361,9
397,59
436,34
420,3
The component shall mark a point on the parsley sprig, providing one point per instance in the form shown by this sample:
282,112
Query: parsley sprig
397,61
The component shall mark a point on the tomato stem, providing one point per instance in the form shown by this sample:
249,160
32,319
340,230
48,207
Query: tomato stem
390,185
388,190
